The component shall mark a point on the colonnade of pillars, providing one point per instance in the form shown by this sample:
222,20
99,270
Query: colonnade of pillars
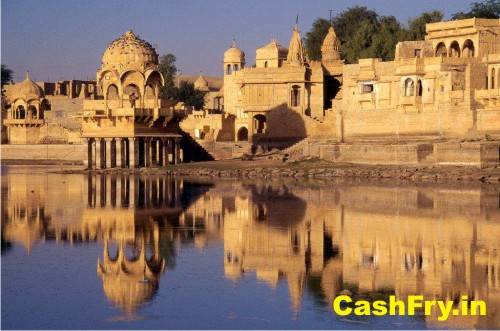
132,152
132,191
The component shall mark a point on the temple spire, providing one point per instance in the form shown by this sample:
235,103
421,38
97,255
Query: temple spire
296,52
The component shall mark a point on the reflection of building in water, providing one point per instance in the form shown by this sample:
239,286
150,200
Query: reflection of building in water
442,243
266,233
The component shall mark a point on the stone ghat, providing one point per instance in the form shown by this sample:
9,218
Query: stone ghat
317,169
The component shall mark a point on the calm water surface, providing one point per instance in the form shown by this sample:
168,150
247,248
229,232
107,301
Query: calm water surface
117,252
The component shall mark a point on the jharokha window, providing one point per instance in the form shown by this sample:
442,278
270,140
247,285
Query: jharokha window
295,96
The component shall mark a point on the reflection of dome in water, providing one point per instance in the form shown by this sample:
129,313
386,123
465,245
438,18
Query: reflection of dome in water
129,283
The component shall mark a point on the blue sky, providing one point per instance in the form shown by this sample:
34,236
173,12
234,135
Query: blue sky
64,39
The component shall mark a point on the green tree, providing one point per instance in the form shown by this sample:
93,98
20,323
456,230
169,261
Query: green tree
7,74
485,9
385,39
187,93
314,38
362,33
416,26
168,70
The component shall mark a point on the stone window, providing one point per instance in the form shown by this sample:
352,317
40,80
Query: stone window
418,53
265,64
367,88
228,69
295,96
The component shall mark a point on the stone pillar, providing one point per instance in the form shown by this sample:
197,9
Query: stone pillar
119,152
132,192
119,190
161,158
133,145
147,152
98,154
109,191
109,153
89,162
177,151
166,148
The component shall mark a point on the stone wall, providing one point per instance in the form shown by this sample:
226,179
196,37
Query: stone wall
56,153
477,154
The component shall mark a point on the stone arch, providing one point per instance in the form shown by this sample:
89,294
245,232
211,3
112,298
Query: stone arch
235,67
454,49
132,77
242,134
228,69
112,92
131,88
32,111
265,64
154,76
441,50
468,49
295,96
259,123
409,88
20,112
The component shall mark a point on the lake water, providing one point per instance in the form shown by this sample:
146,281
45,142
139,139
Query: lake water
118,252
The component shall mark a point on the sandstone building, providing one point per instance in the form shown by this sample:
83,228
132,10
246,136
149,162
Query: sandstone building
44,112
440,89
436,103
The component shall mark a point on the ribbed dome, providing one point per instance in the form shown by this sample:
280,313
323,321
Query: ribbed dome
27,90
129,51
234,54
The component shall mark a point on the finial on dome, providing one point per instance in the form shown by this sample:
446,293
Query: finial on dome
27,75
233,43
129,34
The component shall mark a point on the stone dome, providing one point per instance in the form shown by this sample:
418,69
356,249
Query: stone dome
129,52
201,83
27,90
234,54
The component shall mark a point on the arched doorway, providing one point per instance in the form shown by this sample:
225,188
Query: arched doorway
259,124
242,134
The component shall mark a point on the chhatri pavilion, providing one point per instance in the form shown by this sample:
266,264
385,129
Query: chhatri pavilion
127,127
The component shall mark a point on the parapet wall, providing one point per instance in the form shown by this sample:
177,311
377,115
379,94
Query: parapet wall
476,154
51,153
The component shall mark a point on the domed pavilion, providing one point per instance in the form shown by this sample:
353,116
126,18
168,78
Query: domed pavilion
128,126
26,113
